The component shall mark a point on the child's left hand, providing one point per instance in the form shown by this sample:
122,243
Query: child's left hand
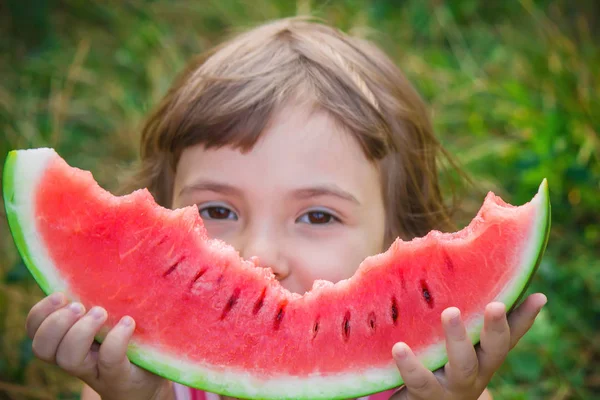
469,370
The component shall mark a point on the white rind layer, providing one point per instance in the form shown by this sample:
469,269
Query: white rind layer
25,172
242,384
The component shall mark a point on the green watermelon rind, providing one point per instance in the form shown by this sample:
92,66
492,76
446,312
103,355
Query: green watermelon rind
240,383
543,241
8,189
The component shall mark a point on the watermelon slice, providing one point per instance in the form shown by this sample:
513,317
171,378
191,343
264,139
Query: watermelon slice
208,319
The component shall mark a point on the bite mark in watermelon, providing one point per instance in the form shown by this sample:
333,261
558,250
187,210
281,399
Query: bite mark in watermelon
209,319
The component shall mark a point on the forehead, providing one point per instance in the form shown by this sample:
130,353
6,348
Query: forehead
301,146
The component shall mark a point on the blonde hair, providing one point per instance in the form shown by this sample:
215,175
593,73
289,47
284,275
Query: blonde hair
227,96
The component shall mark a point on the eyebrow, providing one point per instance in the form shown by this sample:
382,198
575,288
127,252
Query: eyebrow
211,186
302,193
325,190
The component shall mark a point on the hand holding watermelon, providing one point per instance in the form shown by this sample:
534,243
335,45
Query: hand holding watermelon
469,369
63,334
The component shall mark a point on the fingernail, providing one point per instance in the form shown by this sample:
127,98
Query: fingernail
455,319
76,308
96,313
501,313
56,298
126,321
545,300
401,351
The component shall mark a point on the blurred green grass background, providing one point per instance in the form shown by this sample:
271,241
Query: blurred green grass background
514,89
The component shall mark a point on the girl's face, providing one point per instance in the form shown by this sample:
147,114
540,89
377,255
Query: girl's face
305,200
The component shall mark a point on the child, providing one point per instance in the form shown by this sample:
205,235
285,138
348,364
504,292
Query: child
308,149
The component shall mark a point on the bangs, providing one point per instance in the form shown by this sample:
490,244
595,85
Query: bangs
231,96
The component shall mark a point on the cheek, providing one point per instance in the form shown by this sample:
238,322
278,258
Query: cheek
225,231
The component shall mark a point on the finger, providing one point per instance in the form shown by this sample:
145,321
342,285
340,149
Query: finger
74,353
494,341
112,356
420,382
522,318
53,329
41,310
462,367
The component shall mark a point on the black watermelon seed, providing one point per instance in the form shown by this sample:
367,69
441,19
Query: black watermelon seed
172,267
279,316
346,326
231,302
394,310
448,260
315,329
198,276
259,303
426,294
372,320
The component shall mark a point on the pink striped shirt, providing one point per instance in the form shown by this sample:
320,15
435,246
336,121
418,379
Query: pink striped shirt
186,393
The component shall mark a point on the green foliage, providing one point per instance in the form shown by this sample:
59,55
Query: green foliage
514,90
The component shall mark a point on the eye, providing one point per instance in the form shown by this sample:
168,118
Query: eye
318,218
217,212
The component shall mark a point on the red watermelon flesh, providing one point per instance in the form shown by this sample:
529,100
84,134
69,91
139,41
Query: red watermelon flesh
209,319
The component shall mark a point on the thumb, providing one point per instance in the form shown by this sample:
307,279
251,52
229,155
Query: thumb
120,379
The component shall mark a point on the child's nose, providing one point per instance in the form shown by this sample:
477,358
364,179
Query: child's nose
264,246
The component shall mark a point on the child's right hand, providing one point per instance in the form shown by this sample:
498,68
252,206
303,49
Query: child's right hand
63,334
